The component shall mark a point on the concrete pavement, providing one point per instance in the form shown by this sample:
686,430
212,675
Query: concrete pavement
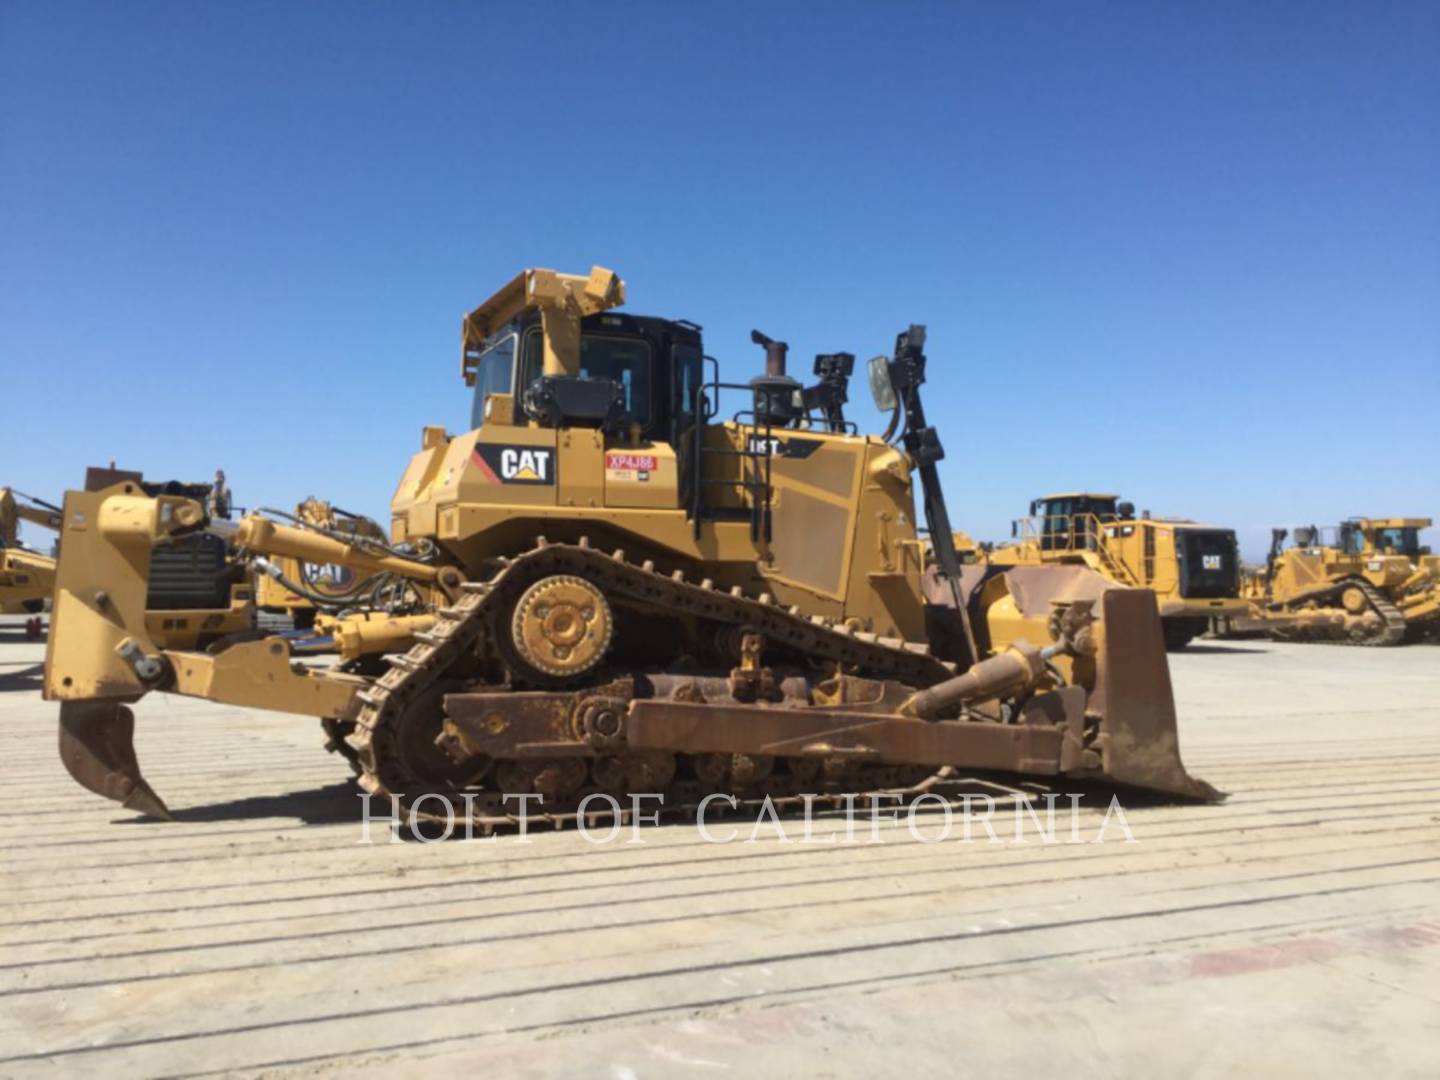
1293,929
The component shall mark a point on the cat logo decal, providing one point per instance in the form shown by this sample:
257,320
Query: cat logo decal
515,464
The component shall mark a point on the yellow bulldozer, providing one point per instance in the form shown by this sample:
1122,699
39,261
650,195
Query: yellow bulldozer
27,576
1369,582
613,584
1193,569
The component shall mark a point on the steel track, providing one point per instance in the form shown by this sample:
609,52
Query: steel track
468,628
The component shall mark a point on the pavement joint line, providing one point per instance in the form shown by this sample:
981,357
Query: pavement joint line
1237,797
1321,796
414,924
509,994
653,921
719,858
1226,825
818,849
982,971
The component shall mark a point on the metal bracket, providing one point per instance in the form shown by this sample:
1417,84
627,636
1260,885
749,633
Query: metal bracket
148,669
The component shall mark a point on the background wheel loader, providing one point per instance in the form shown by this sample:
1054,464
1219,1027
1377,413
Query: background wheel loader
1372,583
612,586
1193,569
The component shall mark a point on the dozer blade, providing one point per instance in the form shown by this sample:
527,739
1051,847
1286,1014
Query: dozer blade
98,749
1140,735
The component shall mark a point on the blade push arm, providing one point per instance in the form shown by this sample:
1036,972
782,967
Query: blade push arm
922,443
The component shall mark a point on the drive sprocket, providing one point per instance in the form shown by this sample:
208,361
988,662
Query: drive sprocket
562,626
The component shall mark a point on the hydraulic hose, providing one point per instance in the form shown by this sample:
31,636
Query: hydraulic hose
354,539
367,591
267,537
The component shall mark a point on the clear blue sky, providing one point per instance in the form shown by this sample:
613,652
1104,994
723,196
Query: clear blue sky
1188,252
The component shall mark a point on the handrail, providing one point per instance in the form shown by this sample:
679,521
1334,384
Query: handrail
1077,532
758,490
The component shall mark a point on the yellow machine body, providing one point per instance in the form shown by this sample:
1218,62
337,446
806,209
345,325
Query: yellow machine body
613,586
1369,581
843,545
325,581
1193,569
27,576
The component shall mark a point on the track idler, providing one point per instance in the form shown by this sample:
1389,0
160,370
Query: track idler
97,746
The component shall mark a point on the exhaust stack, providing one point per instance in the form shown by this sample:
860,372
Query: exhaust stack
779,399
775,354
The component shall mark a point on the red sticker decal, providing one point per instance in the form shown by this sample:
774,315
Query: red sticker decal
484,466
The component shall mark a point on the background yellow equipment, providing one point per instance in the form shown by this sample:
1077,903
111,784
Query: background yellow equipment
196,593
27,576
302,589
1193,569
1370,582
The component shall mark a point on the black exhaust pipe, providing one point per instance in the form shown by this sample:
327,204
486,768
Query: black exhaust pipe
775,352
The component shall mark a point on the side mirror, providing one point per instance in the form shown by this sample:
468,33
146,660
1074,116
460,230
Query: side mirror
1014,529
881,388
1425,550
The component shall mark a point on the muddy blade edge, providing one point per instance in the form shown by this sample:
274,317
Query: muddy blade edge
1140,726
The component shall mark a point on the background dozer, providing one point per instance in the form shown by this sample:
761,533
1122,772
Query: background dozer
27,576
611,586
302,589
1193,569
1370,582
197,593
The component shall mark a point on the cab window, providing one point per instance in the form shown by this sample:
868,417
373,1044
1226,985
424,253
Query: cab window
1400,541
532,358
494,374
1066,524
686,362
1055,526
1104,509
626,361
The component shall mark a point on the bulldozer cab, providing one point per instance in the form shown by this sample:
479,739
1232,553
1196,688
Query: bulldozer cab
650,366
1383,536
1352,539
593,424
547,353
